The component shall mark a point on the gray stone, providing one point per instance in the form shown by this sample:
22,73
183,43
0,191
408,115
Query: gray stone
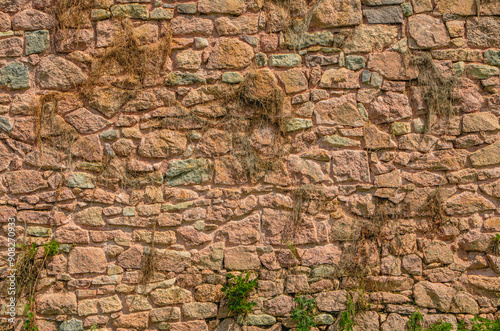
492,57
385,14
260,320
15,76
285,60
296,124
407,9
187,8
37,41
162,14
232,77
261,59
71,325
81,180
482,71
185,172
5,124
354,62
323,38
132,10
183,78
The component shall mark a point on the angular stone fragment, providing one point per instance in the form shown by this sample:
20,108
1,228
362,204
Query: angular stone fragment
294,80
433,295
11,47
230,53
162,144
340,111
384,14
332,301
55,72
486,156
370,38
340,78
482,121
483,32
457,7
131,10
337,13
350,166
285,60
56,303
85,121
246,24
428,31
24,181
467,203
390,107
185,172
234,7
376,139
86,260
182,25
391,65
32,19
241,258
15,76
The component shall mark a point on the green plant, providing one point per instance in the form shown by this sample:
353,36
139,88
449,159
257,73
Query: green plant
29,324
236,291
484,324
440,327
415,321
93,327
495,244
346,321
303,313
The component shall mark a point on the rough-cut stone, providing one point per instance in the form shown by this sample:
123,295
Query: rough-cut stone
241,258
32,19
377,139
25,181
339,111
391,65
285,60
482,121
15,76
56,303
162,144
384,14
390,107
434,295
247,24
11,47
86,260
438,251
467,203
486,156
337,13
332,301
171,296
294,80
55,72
85,121
368,38
191,26
483,31
234,7
350,166
428,31
230,53
199,310
190,171
131,10
340,78
37,41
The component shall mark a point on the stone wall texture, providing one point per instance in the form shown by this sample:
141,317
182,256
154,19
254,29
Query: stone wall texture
294,140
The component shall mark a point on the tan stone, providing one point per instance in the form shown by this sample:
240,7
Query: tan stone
230,53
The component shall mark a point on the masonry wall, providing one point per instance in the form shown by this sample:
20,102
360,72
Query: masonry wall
335,149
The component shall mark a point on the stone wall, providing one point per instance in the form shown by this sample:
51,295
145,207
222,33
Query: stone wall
314,144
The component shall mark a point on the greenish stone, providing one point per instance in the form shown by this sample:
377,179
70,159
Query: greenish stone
407,9
459,68
366,76
183,78
200,43
324,38
187,8
162,14
232,77
100,14
5,124
6,34
376,80
261,59
81,180
285,60
492,57
339,141
194,135
65,248
177,207
71,325
323,271
401,46
362,111
37,41
354,62
259,320
109,135
482,71
187,172
251,40
329,50
15,76
418,125
90,166
131,10
324,319
296,124
38,231
129,211
400,128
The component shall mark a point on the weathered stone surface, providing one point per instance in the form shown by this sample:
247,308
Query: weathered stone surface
340,78
391,65
384,14
336,13
191,26
56,303
55,72
15,76
162,144
132,10
25,181
11,47
294,80
91,216
428,31
230,53
482,121
171,296
483,31
190,171
241,258
462,7
32,19
285,60
85,121
340,111
234,7
377,139
86,260
438,160
390,107
467,203
368,38
199,310
246,24
486,156
332,301
37,41
434,295
350,166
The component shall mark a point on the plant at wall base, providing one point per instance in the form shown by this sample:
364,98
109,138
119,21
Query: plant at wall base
415,321
236,291
29,324
495,244
440,327
484,324
303,313
346,321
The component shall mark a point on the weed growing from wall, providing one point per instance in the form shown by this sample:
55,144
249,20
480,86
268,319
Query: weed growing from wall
303,313
236,292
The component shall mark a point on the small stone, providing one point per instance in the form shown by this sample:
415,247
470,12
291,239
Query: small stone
338,13
339,111
200,43
340,78
100,14
230,53
187,8
323,38
428,31
232,77
261,59
294,80
296,124
188,59
407,9
37,41
91,216
132,10
400,128
384,14
260,320
354,62
183,78
5,124
81,180
32,19
492,57
419,125
190,171
339,141
233,7
486,156
161,14
71,325
376,80
83,260
15,76
285,60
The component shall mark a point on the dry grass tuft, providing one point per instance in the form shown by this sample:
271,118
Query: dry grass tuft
72,14
149,265
438,89
434,208
130,60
